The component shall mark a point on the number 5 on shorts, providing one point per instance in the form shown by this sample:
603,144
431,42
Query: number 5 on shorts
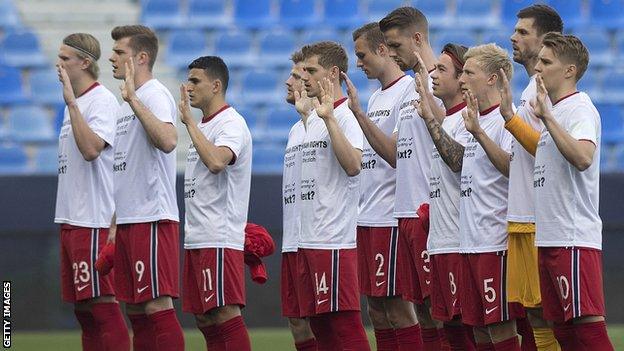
489,292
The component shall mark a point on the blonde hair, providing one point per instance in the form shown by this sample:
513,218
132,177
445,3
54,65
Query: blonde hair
87,48
491,58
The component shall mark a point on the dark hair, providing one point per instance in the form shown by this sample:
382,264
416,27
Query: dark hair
405,17
141,39
329,54
214,67
456,52
569,49
545,18
296,57
372,34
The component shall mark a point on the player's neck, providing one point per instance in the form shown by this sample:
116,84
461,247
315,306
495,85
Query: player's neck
489,99
564,89
141,78
426,53
452,101
338,94
215,105
390,76
529,66
82,85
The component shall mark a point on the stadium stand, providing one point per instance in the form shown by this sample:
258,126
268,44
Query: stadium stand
256,38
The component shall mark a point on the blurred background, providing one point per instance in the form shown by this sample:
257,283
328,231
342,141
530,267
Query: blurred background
255,38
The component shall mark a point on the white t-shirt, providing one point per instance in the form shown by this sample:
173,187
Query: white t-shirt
329,197
85,189
378,178
216,204
444,190
291,188
144,176
566,200
483,191
413,161
521,203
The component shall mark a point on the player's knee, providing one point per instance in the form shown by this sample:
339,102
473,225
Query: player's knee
400,313
224,313
135,308
424,316
588,319
158,304
300,329
536,318
502,331
482,335
203,320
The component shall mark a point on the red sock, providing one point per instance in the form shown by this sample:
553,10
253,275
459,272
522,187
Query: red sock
444,343
593,336
458,338
234,334
308,345
169,336
409,338
567,338
326,338
510,344
90,331
526,331
486,347
113,330
431,339
144,337
214,341
348,326
386,340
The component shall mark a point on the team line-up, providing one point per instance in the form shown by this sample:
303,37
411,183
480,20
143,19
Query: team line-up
467,222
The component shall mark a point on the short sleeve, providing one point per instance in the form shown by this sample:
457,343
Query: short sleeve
583,125
161,105
352,131
102,118
232,136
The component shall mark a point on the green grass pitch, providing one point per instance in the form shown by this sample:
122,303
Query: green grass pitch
261,339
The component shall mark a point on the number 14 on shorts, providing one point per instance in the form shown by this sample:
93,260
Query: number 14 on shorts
321,286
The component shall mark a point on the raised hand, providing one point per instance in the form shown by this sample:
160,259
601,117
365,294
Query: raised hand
68,90
420,67
540,104
471,113
184,106
303,103
352,93
423,105
506,108
128,90
324,105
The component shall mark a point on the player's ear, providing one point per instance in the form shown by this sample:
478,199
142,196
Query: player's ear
493,79
570,72
382,50
217,86
334,73
142,58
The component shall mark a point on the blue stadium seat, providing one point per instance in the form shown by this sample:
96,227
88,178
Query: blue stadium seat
260,88
589,84
9,17
475,14
281,119
30,124
322,35
13,159
378,9
20,48
613,86
436,12
276,48
510,9
184,46
571,11
465,38
11,87
500,39
612,124
598,43
162,14
298,14
208,14
267,159
607,13
234,48
342,14
46,159
46,88
253,14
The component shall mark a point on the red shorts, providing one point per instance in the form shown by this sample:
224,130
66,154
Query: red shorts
79,278
213,277
327,281
445,274
147,261
413,260
377,249
290,301
570,283
483,285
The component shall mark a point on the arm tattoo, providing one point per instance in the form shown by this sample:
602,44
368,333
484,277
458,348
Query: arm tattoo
451,151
